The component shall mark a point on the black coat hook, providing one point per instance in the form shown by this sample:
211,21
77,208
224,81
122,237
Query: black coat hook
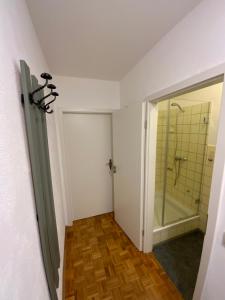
55,94
49,111
46,107
45,76
51,87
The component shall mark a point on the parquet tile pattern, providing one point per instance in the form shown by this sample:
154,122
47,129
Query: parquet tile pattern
102,263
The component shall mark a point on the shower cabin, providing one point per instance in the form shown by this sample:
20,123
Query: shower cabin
180,152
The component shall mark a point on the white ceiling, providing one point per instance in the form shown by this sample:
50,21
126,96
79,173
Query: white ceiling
102,39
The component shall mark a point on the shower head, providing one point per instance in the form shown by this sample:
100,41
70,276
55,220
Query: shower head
177,105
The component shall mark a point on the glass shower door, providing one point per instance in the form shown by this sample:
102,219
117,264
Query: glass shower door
186,143
161,150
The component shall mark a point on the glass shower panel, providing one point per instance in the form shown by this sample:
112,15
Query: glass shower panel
186,143
161,146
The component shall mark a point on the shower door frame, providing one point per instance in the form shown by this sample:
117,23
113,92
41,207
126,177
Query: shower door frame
165,166
207,78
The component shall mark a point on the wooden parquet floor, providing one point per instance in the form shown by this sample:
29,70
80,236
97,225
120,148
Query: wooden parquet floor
102,263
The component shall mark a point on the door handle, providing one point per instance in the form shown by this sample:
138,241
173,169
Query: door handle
112,168
110,164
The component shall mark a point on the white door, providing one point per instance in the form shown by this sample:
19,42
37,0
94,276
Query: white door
88,148
128,139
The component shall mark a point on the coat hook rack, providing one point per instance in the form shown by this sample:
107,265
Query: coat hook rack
40,102
37,137
45,76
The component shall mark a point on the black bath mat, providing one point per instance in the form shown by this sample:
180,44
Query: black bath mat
180,258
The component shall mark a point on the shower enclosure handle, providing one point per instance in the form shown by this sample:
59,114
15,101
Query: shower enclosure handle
181,158
178,159
169,169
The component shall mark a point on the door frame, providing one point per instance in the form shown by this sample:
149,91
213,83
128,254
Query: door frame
206,78
66,196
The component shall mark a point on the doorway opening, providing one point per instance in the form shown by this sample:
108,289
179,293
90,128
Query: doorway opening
186,143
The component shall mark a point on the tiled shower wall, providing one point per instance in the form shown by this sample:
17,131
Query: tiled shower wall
192,125
201,222
160,150
190,134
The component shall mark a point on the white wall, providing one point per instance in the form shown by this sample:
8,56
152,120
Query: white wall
21,269
83,93
194,45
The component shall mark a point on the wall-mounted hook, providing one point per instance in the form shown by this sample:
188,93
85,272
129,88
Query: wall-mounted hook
45,76
49,111
51,87
55,94
46,109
